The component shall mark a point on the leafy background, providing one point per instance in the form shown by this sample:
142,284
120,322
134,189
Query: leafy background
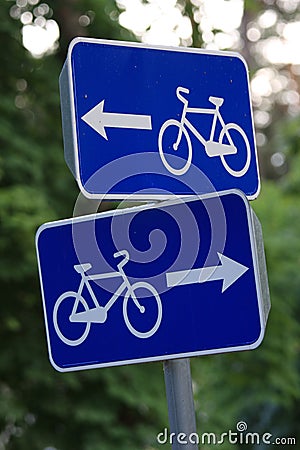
125,407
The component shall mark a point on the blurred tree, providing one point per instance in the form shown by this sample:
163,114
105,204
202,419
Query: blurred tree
40,408
265,32
262,387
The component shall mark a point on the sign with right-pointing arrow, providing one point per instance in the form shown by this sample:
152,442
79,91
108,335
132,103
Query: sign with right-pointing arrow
228,271
172,279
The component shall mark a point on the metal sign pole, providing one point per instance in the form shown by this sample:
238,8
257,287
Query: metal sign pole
180,400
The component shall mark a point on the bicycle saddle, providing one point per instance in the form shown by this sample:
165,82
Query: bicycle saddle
217,101
80,268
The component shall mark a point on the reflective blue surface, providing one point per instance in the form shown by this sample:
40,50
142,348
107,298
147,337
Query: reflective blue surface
143,81
196,318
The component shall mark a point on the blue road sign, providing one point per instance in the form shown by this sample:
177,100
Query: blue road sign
170,280
154,121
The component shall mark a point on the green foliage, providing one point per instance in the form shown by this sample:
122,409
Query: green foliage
262,387
40,408
122,407
253,6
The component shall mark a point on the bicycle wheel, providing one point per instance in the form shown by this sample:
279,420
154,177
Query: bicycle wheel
167,138
240,140
77,331
141,305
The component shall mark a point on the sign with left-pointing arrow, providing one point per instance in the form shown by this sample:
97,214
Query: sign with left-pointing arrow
151,122
97,119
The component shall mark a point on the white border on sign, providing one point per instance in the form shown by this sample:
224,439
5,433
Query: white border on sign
139,197
94,217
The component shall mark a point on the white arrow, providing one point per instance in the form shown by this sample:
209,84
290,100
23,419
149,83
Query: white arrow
98,120
229,271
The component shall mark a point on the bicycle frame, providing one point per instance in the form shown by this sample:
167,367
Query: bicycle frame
236,138
124,286
185,122
98,314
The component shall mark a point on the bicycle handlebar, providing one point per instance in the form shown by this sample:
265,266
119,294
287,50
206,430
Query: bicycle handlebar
122,263
124,253
185,91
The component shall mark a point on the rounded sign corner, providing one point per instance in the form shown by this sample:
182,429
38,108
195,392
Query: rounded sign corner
81,185
74,42
242,60
255,195
259,340
39,231
55,366
239,193
89,195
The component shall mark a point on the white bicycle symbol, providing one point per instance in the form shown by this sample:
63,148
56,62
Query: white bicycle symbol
98,314
223,147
